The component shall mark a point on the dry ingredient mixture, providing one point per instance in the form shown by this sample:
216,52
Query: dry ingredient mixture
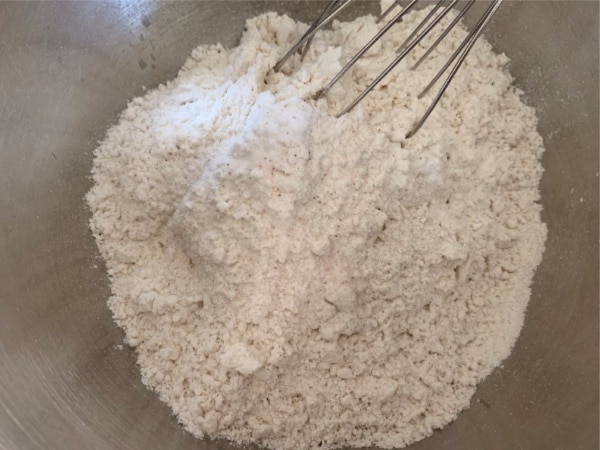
307,282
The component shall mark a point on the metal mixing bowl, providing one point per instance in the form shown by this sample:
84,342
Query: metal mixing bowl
66,71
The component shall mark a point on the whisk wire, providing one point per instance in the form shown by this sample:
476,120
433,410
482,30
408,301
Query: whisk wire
312,32
330,8
471,42
473,35
423,22
334,7
396,61
387,11
444,34
363,50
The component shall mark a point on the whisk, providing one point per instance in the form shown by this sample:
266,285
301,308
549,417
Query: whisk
440,9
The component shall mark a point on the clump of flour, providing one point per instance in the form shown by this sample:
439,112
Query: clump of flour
302,281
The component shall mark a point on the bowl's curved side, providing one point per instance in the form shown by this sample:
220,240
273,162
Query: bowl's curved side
68,69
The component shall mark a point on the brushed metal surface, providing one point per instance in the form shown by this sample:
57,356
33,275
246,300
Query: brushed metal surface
68,68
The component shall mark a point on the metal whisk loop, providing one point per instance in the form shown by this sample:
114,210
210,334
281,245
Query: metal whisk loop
396,61
444,34
334,7
470,39
329,9
363,50
427,18
388,11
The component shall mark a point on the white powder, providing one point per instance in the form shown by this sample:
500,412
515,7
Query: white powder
309,282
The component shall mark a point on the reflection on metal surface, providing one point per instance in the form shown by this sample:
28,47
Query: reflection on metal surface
69,68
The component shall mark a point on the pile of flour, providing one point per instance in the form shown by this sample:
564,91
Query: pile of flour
302,281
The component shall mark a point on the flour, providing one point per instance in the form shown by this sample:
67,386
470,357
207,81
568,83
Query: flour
305,282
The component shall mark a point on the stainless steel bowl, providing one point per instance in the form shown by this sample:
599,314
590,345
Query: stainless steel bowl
68,68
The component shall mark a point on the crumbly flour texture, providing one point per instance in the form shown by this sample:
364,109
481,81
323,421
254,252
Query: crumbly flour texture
301,281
